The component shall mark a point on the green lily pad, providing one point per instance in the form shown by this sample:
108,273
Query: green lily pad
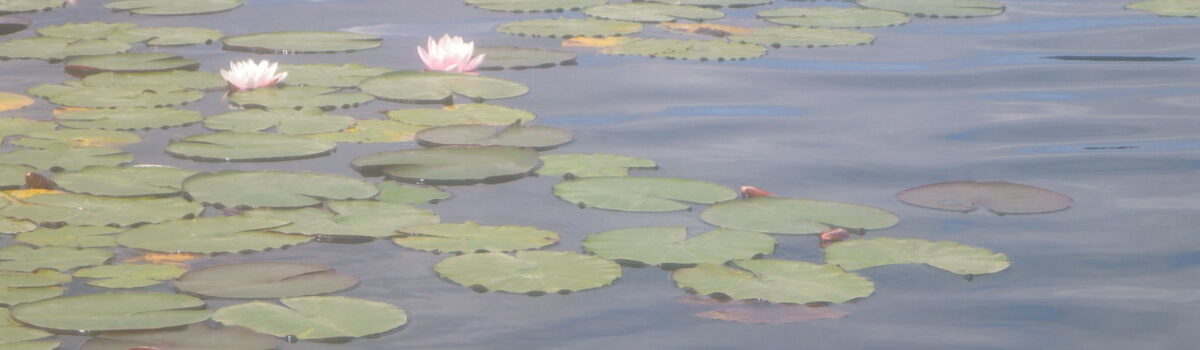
129,275
90,31
938,8
471,237
402,193
57,49
176,36
248,147
72,236
81,209
125,182
776,281
16,6
795,216
29,259
517,58
1170,8
129,62
23,287
804,37
652,12
569,27
74,138
13,176
274,189
20,126
11,226
329,75
833,17
718,3
670,246
116,96
285,121
314,318
171,7
529,271
221,234
298,97
462,114
264,279
127,118
641,194
946,255
433,87
701,50
534,5
173,80
592,165
302,42
198,336
112,311
10,101
371,131
537,137
451,165
63,158
997,196
348,218
14,336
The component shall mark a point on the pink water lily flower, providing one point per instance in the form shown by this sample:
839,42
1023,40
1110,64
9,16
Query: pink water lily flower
246,75
450,54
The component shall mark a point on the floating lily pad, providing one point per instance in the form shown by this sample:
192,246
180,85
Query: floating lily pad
90,31
592,165
72,236
173,80
946,255
1170,8
701,50
248,147
471,237
795,216
569,27
348,218
21,126
529,271
451,165
129,275
23,287
302,42
402,193
776,281
56,49
13,24
371,131
298,97
81,209
534,5
176,36
275,189
718,3
112,311
476,113
9,101
63,158
116,96
15,336
28,259
517,58
833,17
15,6
76,138
12,176
222,234
198,336
669,245
938,8
127,118
311,318
433,87
997,196
641,194
254,280
538,137
125,182
804,37
11,226
285,121
329,75
651,12
172,7
129,62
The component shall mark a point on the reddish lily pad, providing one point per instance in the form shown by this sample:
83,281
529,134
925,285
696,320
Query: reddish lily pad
997,196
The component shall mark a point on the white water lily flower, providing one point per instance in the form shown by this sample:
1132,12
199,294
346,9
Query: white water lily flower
450,54
246,75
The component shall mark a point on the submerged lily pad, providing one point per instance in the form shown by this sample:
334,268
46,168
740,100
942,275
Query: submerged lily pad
349,218
198,336
471,237
127,118
129,62
701,50
451,165
116,96
264,279
112,311
795,216
538,137
125,182
173,7
248,147
641,194
402,193
28,259
81,209
129,275
1170,8
72,236
173,80
946,255
9,101
569,27
302,42
718,3
651,12
997,196
529,271
371,131
298,97
476,113
669,245
285,121
64,158
311,318
15,6
776,281
55,49
23,287
275,189
176,36
222,234
75,138
592,165
938,8
833,17
534,5
804,37
329,75
517,58
434,86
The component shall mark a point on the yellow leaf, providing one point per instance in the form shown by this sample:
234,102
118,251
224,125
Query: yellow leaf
25,194
716,30
595,42
61,110
9,101
160,258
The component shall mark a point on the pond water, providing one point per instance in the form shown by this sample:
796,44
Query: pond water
931,101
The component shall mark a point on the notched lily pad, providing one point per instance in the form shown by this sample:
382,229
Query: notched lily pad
529,271
652,12
125,182
795,216
670,246
371,131
938,8
297,97
329,75
57,49
471,237
198,336
370,219
439,87
700,50
129,63
569,27
592,165
29,259
804,37
517,58
127,118
72,236
112,311
302,42
284,121
537,137
776,281
115,96
23,287
90,31
274,189
520,6
997,196
258,280
833,17
129,275
172,7
222,234
451,165
475,113
402,193
641,194
81,209
946,255
16,6
64,158
315,318
248,147
176,36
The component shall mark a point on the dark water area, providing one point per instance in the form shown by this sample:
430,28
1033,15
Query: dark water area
931,101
